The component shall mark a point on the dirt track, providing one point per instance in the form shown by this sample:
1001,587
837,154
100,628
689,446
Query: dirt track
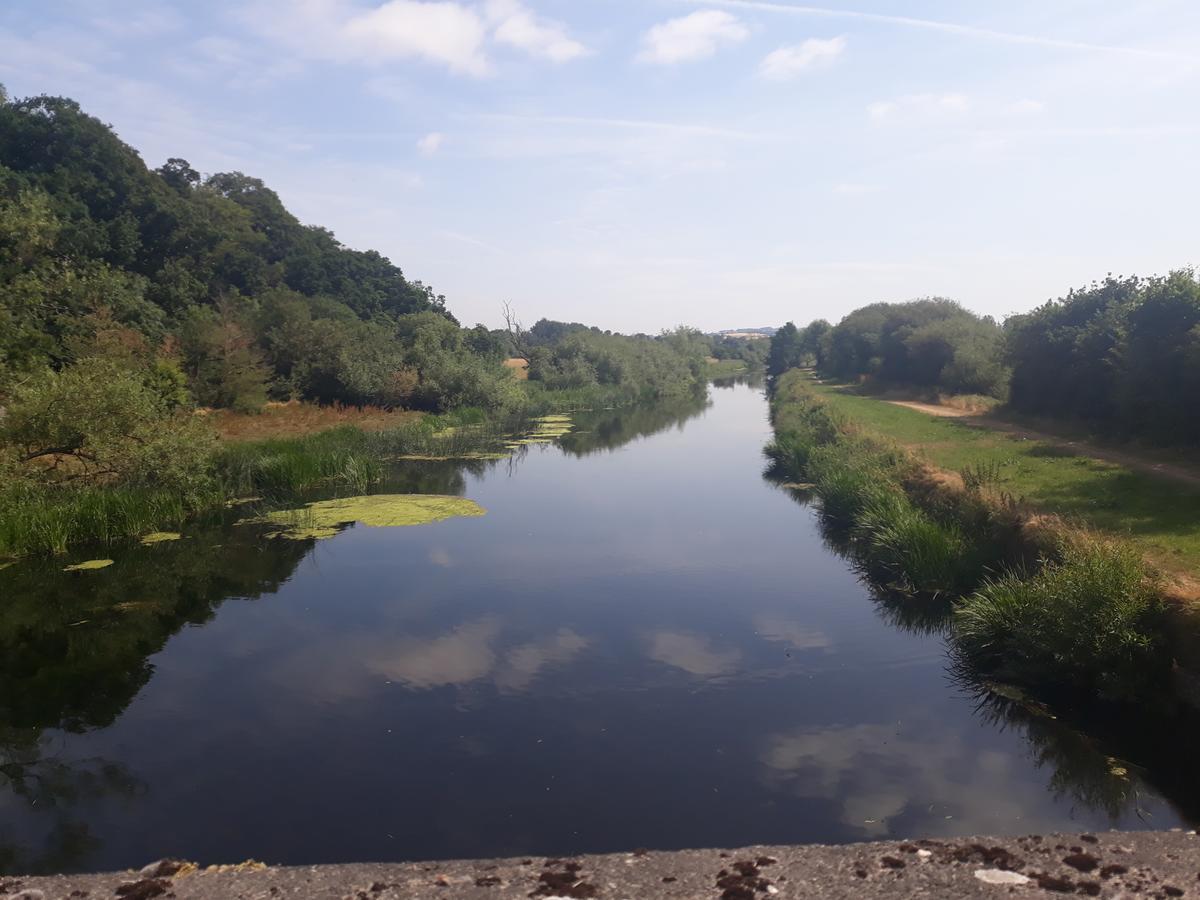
1132,461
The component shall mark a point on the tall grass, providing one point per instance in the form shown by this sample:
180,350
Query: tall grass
50,520
1091,621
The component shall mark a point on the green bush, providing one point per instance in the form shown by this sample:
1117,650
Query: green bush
98,422
916,554
1091,621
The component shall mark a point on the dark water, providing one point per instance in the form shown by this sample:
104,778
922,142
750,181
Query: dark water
643,643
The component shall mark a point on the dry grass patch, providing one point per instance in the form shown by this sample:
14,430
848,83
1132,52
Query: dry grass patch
296,419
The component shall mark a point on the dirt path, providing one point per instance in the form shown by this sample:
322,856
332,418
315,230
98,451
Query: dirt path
942,412
1132,461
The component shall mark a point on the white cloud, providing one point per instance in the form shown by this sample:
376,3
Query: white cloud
919,105
691,37
431,143
788,62
455,34
855,189
516,26
442,32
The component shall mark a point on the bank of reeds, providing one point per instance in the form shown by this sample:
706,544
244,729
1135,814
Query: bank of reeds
1043,607
41,518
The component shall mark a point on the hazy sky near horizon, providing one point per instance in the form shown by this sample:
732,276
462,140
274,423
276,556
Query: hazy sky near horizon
638,164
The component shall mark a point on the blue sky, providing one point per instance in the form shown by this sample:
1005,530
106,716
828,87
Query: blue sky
642,163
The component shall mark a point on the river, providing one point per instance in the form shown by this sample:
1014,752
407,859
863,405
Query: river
643,643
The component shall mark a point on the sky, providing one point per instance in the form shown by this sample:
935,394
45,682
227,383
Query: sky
639,164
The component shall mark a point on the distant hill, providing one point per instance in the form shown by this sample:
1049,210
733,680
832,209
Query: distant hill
747,332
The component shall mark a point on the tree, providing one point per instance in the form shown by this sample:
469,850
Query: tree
787,350
98,421
226,369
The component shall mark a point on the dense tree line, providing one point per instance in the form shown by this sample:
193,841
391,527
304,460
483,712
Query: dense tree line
1122,355
211,287
928,343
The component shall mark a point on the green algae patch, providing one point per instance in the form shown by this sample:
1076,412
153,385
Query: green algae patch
458,457
325,518
160,537
89,566
546,430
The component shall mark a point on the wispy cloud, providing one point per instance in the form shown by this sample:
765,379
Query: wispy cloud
788,62
947,27
691,38
919,105
431,143
682,128
517,26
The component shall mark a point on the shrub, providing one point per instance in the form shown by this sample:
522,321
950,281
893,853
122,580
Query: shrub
98,422
915,553
1091,621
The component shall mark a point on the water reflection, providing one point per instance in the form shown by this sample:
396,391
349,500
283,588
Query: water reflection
605,430
693,653
1096,757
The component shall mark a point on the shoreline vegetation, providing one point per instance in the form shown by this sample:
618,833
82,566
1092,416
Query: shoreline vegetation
1032,600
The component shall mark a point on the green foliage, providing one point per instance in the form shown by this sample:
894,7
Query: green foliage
793,348
1122,355
225,367
98,422
85,227
629,369
1091,621
930,343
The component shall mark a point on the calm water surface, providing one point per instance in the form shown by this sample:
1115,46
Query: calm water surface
643,643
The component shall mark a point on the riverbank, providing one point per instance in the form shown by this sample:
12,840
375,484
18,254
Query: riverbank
1035,600
1104,864
1153,513
288,450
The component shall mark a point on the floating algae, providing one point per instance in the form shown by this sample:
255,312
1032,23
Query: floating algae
160,537
546,430
89,566
326,518
459,457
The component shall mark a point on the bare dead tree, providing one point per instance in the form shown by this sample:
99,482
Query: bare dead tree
517,333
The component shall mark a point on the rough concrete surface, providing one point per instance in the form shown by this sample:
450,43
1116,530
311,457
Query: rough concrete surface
1105,864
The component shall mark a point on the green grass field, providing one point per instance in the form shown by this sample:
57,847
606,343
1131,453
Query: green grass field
1160,516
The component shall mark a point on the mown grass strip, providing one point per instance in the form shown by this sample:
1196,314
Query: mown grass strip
1158,516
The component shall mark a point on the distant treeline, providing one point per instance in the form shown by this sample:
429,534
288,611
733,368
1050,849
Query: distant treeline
1122,355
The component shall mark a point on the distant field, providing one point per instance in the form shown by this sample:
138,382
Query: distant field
725,368
1160,516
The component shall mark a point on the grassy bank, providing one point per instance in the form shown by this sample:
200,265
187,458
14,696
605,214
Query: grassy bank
50,518
1034,603
1155,515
